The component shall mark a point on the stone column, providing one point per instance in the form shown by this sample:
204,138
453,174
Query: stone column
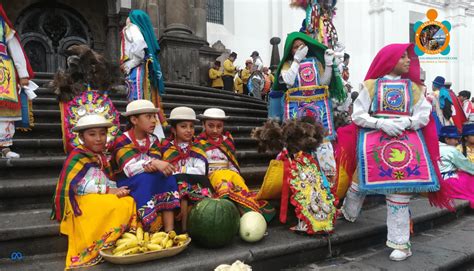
113,39
200,18
275,58
177,17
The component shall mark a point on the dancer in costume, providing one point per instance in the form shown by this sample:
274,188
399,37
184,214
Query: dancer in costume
303,183
467,141
140,63
93,212
15,73
188,158
306,80
224,170
456,169
442,103
137,156
394,156
83,89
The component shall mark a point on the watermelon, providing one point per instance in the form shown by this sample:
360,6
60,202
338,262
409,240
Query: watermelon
213,223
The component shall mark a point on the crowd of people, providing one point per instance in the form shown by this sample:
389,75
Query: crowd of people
393,137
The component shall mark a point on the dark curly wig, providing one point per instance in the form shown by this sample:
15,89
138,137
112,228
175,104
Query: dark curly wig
303,134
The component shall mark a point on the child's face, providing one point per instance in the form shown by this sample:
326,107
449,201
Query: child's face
184,131
144,122
214,128
470,139
403,65
452,141
94,139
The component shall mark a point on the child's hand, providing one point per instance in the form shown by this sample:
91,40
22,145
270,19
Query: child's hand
120,192
150,167
164,167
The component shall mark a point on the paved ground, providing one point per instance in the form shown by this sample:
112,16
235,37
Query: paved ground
444,248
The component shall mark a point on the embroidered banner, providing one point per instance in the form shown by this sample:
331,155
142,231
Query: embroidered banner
392,98
394,164
312,101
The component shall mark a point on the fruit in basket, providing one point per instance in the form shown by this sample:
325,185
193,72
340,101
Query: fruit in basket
213,222
141,242
252,226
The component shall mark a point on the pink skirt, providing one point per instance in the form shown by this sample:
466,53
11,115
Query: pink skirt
461,187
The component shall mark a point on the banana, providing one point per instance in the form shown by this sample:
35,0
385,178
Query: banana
172,234
129,251
165,241
154,247
169,243
125,246
143,249
140,234
146,237
181,237
159,234
157,240
121,241
180,243
130,236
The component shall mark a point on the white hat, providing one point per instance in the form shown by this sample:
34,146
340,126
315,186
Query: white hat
140,107
182,113
213,114
91,121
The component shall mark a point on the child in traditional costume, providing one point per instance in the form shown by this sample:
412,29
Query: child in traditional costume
467,141
140,167
394,155
224,170
302,182
15,73
141,65
188,159
456,169
307,79
93,212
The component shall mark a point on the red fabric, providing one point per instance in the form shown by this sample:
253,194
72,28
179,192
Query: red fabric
460,118
285,190
388,57
346,150
28,66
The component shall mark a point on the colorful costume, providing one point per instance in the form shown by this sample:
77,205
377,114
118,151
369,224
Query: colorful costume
457,172
391,165
139,59
192,168
464,148
315,205
14,105
224,174
92,219
153,192
305,89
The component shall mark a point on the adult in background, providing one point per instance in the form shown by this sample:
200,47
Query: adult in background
229,72
257,61
245,75
215,75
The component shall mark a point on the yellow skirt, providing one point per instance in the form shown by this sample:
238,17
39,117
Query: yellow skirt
229,184
103,220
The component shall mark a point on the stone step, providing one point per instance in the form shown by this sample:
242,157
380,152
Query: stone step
280,249
38,187
46,130
52,115
449,247
239,109
178,93
55,145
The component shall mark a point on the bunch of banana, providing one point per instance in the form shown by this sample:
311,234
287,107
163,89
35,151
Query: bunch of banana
142,241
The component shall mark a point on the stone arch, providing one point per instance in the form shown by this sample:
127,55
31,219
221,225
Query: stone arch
47,29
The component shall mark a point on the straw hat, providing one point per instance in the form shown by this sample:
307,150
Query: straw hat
91,121
182,113
140,107
213,114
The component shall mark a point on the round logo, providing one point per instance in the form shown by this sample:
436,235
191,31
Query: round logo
307,74
309,110
394,98
396,154
432,37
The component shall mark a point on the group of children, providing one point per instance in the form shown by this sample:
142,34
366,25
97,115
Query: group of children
143,180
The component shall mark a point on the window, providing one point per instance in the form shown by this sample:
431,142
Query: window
215,11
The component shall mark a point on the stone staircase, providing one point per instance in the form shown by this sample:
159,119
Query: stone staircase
27,184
